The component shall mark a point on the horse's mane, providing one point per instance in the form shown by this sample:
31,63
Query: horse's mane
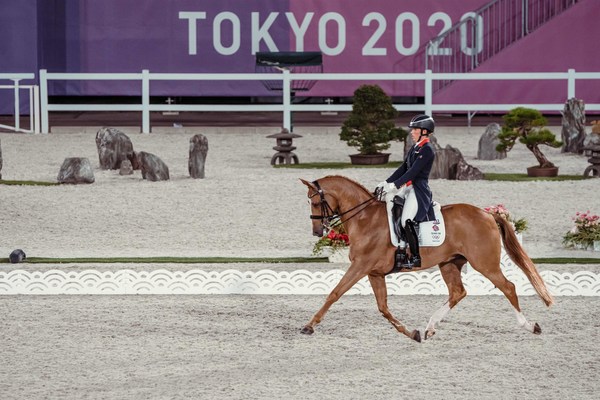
355,183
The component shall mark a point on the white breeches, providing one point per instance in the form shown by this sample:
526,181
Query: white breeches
410,210
410,205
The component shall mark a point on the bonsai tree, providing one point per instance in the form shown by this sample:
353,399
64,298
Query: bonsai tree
527,125
370,125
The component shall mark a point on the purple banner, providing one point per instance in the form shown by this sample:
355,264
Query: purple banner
223,36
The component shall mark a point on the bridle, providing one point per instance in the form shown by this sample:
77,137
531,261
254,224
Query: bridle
328,214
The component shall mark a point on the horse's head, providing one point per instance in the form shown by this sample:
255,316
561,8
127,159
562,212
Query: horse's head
323,207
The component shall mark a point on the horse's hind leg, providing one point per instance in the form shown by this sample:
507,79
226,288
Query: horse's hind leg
456,291
380,291
496,276
350,278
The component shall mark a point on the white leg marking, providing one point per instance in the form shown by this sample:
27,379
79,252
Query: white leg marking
437,317
523,323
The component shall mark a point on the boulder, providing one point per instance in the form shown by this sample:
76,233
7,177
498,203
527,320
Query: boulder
197,159
126,168
113,147
76,170
153,168
17,256
449,163
488,142
467,172
573,126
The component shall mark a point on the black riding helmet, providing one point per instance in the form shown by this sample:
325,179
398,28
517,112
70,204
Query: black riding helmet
424,122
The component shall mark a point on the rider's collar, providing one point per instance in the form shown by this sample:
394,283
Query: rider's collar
422,142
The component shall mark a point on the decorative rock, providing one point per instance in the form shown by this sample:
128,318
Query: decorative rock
76,170
113,147
153,168
573,126
449,163
488,142
198,151
467,172
17,256
592,139
126,168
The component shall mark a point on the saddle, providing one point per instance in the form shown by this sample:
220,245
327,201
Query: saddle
431,232
397,214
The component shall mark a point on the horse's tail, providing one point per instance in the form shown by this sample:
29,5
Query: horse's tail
517,254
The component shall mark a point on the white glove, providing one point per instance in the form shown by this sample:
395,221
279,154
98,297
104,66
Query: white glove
390,191
390,187
380,185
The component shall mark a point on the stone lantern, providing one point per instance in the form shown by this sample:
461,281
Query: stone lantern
284,148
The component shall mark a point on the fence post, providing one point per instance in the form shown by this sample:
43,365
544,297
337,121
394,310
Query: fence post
428,92
571,84
287,101
36,109
145,101
44,100
17,105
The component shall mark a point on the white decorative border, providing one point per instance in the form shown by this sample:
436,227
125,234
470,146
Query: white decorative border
299,282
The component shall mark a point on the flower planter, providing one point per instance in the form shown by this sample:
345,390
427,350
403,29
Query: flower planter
340,256
369,159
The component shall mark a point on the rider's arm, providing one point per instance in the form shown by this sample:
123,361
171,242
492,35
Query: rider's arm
398,173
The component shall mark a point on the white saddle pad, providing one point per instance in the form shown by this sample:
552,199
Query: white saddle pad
433,233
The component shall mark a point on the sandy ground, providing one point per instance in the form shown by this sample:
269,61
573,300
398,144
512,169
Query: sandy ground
248,347
244,207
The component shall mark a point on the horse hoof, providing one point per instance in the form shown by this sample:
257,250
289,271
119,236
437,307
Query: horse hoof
429,333
416,336
307,330
536,329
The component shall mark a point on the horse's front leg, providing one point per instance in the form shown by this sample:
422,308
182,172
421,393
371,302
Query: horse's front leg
380,291
456,291
350,278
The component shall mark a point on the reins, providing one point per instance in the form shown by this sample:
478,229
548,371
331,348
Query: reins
328,214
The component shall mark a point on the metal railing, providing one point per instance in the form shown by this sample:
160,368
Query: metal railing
34,105
485,32
286,107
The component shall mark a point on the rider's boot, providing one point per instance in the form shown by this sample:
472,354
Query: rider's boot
412,237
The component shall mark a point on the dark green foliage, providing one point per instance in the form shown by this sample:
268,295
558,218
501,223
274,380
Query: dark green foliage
28,183
370,126
527,125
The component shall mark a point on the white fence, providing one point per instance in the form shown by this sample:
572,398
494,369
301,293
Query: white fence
34,102
269,282
286,107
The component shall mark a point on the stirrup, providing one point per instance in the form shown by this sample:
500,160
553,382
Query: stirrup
414,262
402,262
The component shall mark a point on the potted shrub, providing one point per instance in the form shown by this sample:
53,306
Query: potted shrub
527,125
370,126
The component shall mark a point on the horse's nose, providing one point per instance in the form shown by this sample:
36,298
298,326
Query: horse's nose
318,231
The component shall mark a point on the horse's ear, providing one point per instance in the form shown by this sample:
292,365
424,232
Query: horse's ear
309,184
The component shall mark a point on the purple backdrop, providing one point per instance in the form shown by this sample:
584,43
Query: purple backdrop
211,36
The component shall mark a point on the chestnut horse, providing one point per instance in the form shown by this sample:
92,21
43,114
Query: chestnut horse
472,235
